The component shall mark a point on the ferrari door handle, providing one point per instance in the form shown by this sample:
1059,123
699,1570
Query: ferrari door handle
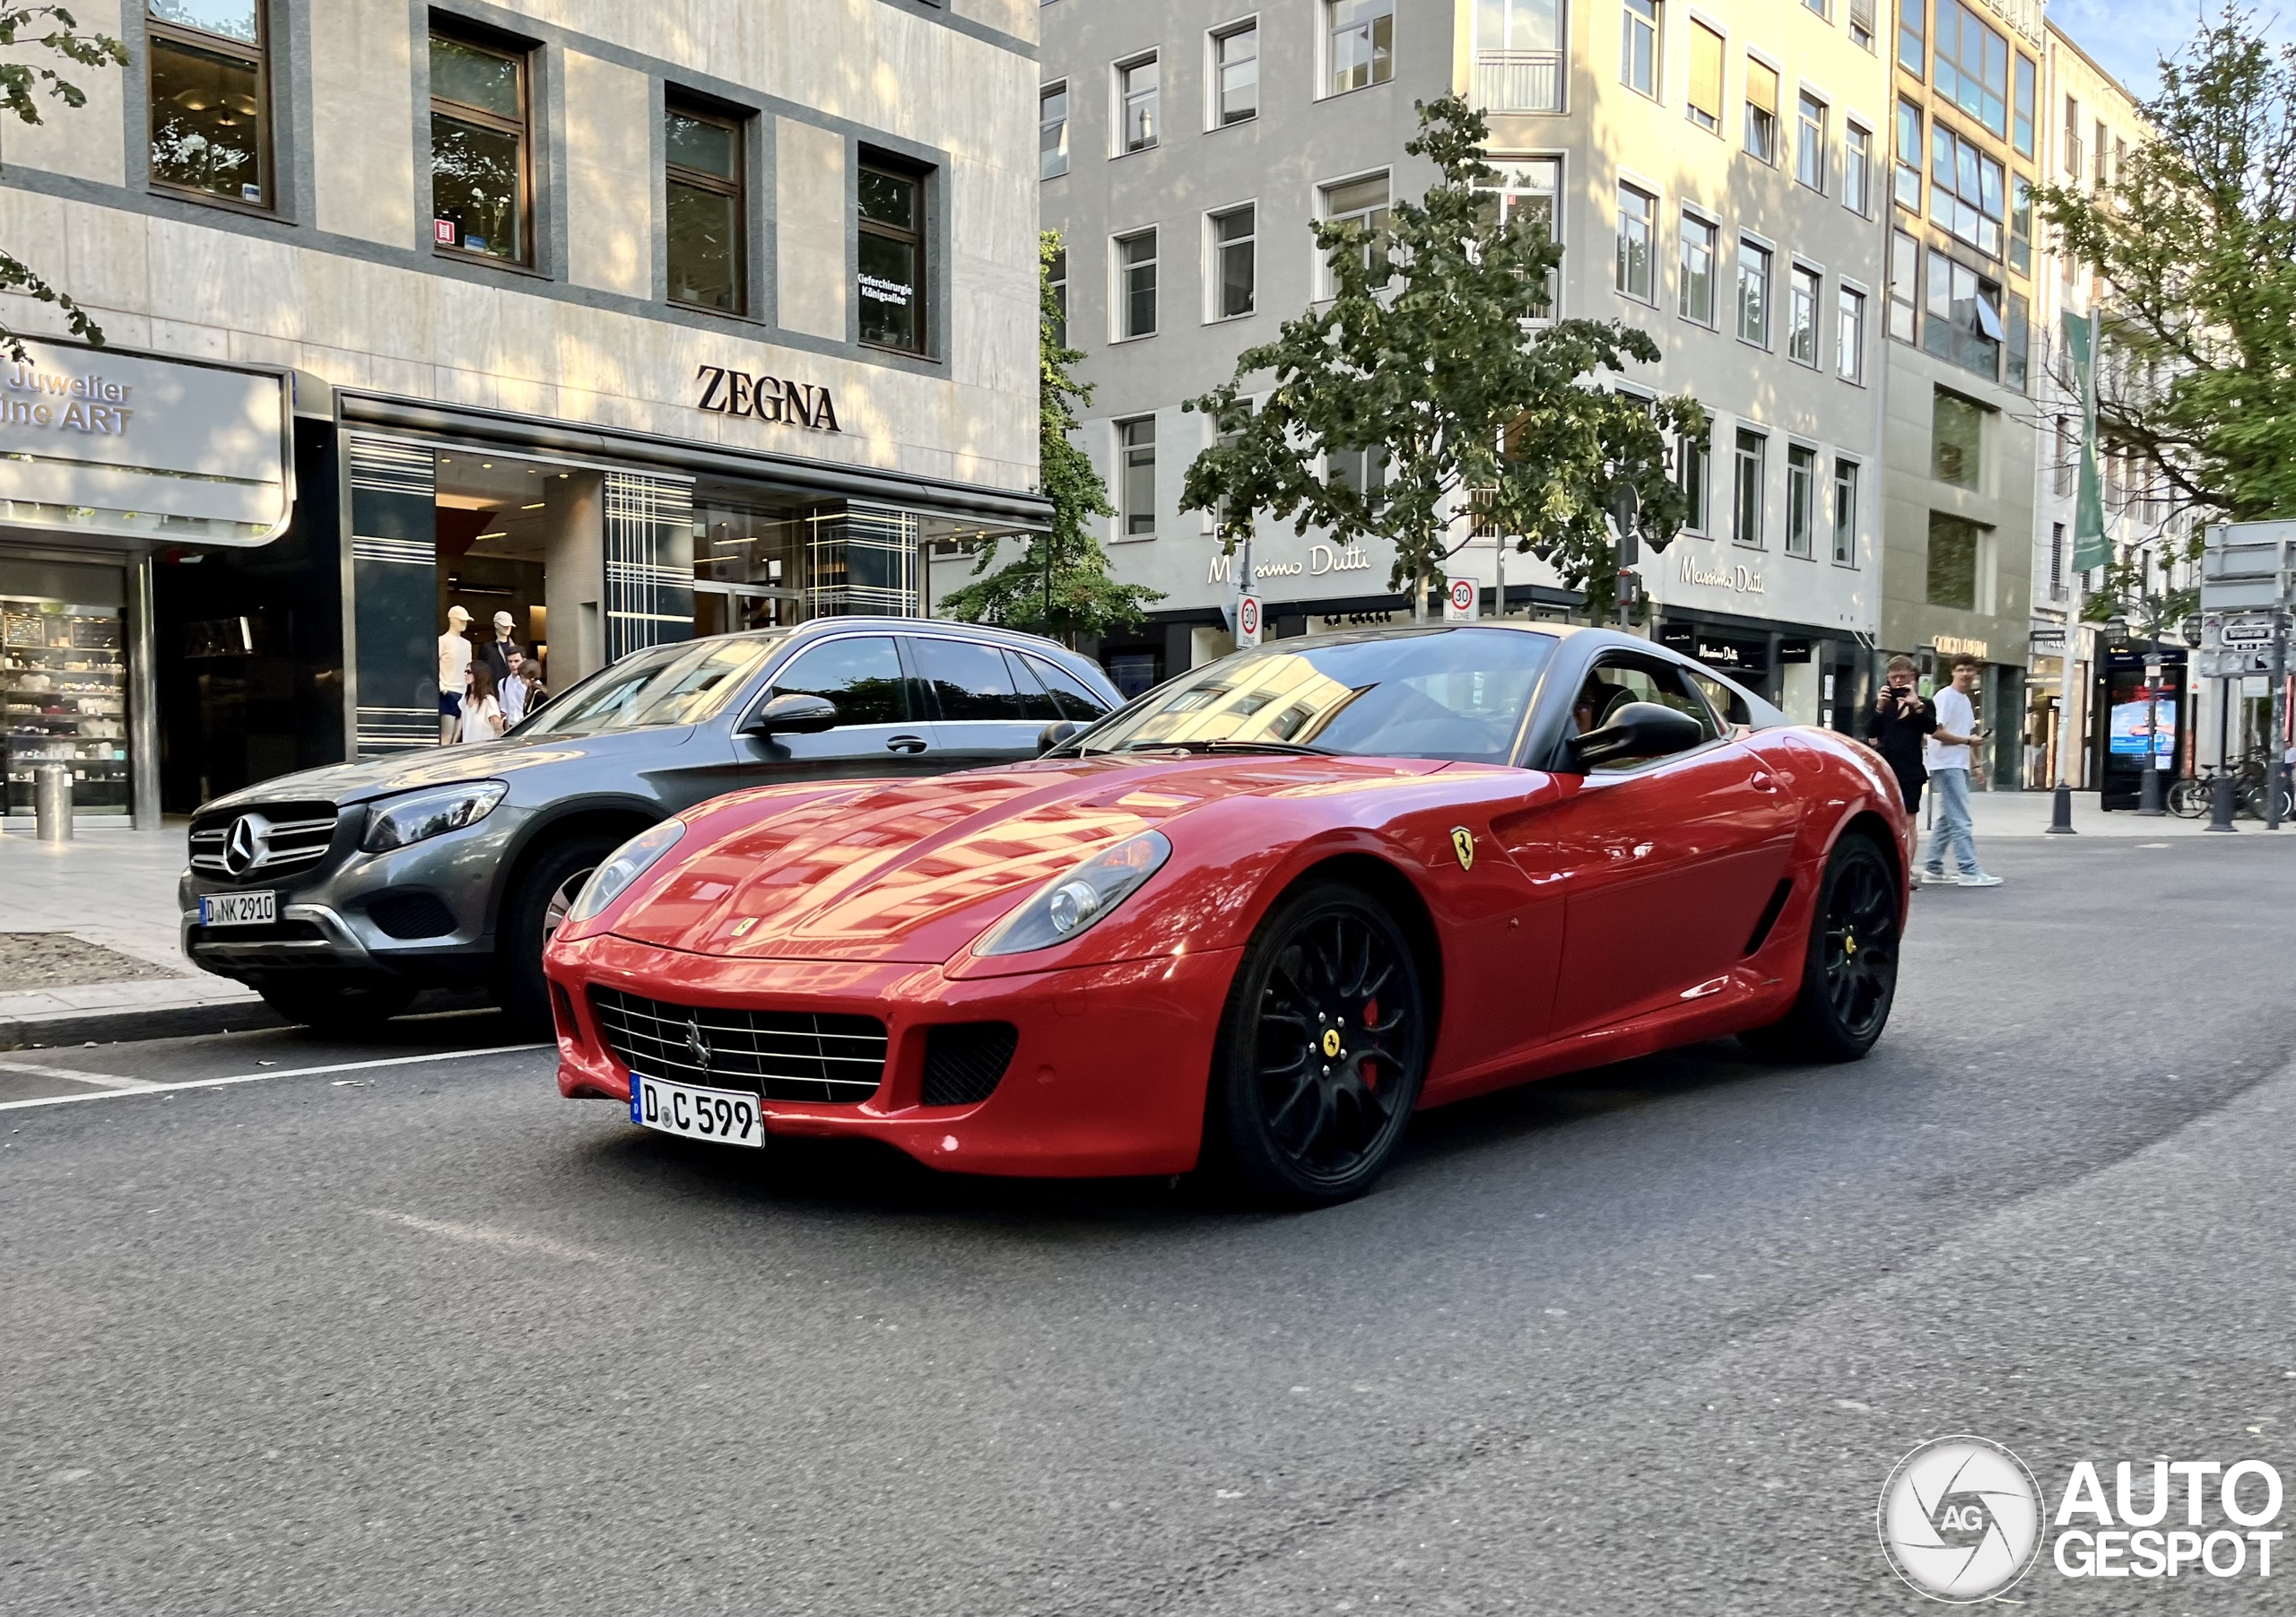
906,743
1763,781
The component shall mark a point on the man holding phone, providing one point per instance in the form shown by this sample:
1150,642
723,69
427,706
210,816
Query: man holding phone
1900,728
1952,743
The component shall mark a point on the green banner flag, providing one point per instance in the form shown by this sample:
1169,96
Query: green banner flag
2090,546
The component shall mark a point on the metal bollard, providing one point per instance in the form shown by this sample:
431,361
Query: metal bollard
52,802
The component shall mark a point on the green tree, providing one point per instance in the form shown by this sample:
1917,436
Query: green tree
1429,352
2196,239
1059,584
21,84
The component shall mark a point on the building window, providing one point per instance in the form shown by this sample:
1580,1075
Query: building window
210,85
703,204
1956,440
1136,445
1909,164
1745,525
1139,120
1761,111
1965,190
2015,355
1705,78
1695,470
1819,7
1849,333
1972,65
1701,245
2057,560
1753,294
1517,56
2072,139
1361,201
1135,290
1803,292
2066,462
1801,498
479,146
1362,41
1637,46
1638,213
1810,141
2021,131
2021,224
1952,563
1235,64
1913,48
1052,131
1233,265
891,289
1528,186
1362,470
1861,24
1905,261
1056,276
1845,512
1857,169
2101,137
1965,325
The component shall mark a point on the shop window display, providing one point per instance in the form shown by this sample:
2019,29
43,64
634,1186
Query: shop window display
64,688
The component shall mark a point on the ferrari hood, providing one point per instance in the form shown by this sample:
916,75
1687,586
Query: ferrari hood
913,871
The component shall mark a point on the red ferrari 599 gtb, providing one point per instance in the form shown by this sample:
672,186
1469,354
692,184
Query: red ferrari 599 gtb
1252,921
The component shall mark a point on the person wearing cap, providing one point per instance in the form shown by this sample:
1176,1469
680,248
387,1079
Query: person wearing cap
498,650
454,673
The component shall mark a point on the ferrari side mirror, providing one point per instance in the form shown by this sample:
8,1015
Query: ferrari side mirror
793,713
1638,730
1053,735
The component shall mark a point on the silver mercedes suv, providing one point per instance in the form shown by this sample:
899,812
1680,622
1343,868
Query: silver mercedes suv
338,893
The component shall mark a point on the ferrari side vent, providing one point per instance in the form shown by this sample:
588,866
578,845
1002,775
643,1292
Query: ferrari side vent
964,1060
1769,914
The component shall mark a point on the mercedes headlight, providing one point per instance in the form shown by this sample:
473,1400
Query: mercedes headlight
396,822
1073,903
624,865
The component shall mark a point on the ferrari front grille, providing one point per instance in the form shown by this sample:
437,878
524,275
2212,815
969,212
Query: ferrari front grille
780,1055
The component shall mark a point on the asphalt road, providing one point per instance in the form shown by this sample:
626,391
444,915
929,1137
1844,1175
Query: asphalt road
422,1338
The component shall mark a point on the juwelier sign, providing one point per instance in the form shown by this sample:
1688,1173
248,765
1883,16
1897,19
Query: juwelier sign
768,398
97,441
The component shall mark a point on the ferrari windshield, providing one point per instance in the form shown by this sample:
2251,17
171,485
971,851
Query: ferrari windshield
1435,693
681,684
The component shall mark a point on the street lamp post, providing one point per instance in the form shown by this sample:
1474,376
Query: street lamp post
2148,792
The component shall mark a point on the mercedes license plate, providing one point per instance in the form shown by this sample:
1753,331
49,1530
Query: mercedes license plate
239,908
727,1116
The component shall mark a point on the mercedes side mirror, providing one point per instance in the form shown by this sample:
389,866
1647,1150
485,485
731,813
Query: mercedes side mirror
793,713
1638,730
1053,735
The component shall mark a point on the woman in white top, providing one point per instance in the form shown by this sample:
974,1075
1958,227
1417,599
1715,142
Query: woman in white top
482,709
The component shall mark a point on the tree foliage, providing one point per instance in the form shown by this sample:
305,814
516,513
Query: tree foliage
1059,585
22,83
2196,240
1430,350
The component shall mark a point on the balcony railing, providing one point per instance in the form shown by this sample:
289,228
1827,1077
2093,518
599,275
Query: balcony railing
1518,81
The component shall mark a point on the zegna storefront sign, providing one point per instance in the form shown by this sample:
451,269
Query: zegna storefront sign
768,398
103,442
1321,558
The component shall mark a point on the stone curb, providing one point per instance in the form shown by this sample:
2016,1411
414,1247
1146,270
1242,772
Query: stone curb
123,1026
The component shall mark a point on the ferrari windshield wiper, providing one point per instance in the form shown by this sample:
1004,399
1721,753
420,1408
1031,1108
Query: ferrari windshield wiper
1229,745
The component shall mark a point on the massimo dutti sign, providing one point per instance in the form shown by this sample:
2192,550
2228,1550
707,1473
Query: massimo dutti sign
768,398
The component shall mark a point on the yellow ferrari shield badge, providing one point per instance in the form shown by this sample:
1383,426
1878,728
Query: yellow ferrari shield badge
1463,844
1331,1041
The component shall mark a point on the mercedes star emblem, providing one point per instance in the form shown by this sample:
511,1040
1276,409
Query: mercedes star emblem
249,842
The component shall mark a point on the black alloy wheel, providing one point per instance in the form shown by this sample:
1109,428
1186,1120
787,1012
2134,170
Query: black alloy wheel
531,916
1322,1051
1850,976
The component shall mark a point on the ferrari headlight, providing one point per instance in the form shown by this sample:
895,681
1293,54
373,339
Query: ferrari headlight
396,822
1071,904
624,865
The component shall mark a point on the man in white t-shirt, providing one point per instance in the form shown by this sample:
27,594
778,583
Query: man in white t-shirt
1951,747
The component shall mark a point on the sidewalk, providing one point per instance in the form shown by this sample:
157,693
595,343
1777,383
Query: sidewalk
87,948
1998,814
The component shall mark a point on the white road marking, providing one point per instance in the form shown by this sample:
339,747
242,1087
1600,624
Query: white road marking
209,1084
110,1081
482,1235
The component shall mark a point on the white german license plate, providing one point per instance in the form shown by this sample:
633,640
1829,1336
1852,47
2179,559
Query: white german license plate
727,1116
239,908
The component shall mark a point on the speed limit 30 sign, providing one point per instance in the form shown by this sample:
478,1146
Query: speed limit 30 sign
1247,620
1459,600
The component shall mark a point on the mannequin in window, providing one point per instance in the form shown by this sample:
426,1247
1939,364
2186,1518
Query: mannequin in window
453,666
497,651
